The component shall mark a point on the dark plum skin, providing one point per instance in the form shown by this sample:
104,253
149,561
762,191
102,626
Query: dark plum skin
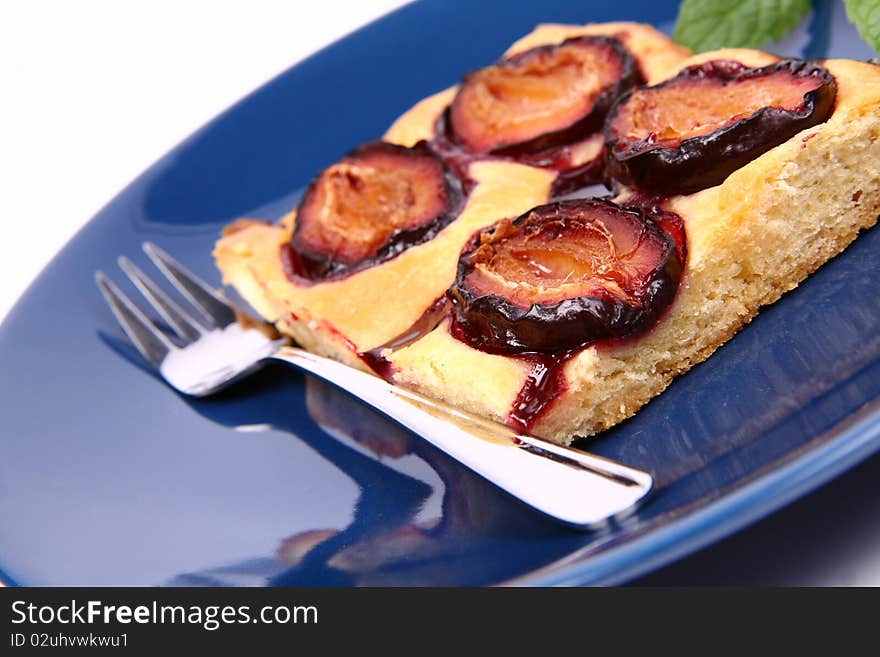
572,128
573,170
497,322
414,187
703,161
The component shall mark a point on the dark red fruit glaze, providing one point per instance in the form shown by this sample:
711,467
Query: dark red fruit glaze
694,130
426,323
545,383
562,276
369,207
666,220
575,170
557,93
454,155
576,165
378,363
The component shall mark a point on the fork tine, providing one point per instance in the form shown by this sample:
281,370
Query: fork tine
186,327
148,339
199,293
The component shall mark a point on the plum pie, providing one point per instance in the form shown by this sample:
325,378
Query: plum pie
467,255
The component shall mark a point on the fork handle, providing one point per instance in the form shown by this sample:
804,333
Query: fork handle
579,489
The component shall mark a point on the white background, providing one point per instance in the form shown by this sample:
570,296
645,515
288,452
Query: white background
84,97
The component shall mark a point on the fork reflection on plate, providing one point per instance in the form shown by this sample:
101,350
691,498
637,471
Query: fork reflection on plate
219,344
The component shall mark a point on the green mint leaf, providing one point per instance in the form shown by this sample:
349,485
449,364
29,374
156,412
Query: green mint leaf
866,16
709,24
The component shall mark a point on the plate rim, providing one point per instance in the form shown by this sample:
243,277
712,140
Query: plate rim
807,469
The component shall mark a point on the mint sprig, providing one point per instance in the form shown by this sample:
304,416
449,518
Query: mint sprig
710,24
866,16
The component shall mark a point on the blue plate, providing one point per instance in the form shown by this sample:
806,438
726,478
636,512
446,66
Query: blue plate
110,478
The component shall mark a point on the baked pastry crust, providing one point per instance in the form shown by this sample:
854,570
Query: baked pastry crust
654,52
361,312
750,239
342,318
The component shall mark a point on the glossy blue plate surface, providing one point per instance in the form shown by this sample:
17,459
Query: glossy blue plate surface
110,478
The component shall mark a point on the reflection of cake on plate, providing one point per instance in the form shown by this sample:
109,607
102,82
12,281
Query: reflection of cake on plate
442,259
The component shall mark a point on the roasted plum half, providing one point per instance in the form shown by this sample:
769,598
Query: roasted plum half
561,276
376,202
542,97
694,130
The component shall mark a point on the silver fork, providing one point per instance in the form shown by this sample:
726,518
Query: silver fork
215,349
